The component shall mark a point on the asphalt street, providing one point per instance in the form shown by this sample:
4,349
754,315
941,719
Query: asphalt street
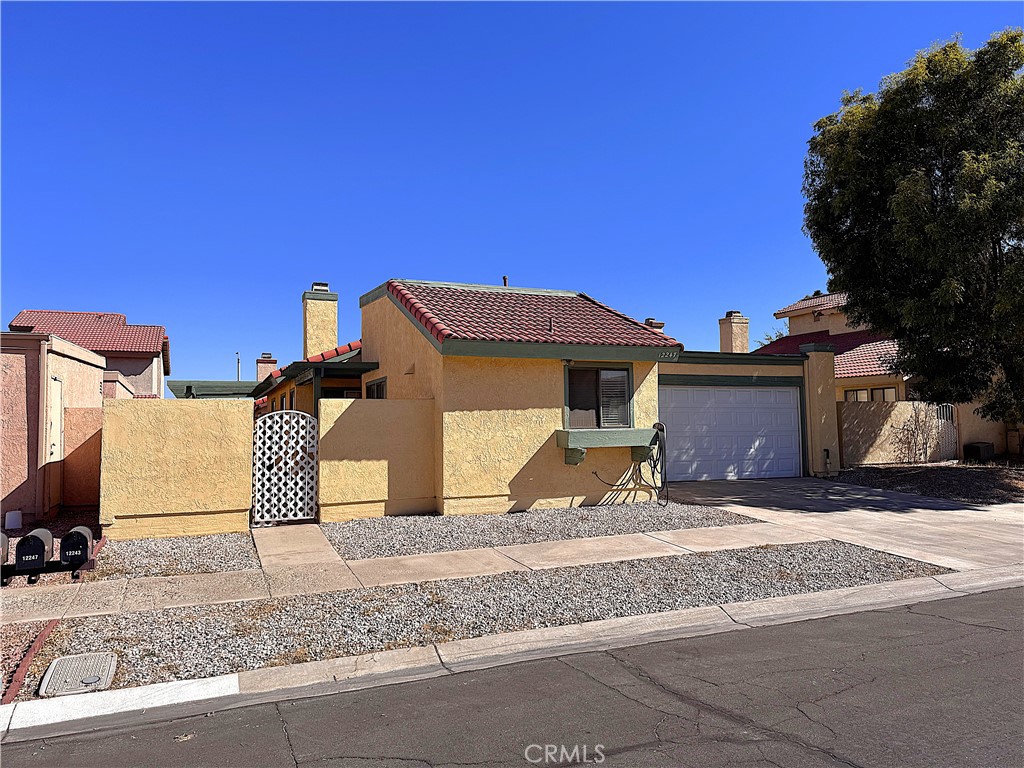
934,684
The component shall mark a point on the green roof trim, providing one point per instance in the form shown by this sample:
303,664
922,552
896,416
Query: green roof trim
603,438
210,389
589,352
335,367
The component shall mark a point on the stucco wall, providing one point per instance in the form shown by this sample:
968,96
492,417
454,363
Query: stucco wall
822,420
19,425
376,458
115,386
974,429
499,420
175,467
410,363
834,322
143,374
732,369
319,324
82,456
867,382
888,433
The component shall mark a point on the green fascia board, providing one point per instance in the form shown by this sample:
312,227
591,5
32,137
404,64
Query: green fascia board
211,388
700,380
738,358
589,352
603,438
335,367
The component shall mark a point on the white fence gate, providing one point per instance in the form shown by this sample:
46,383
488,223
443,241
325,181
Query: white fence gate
945,433
284,468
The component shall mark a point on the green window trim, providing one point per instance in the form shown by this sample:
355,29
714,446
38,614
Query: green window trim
596,367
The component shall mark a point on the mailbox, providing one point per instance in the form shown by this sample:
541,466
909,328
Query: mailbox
6,546
33,550
76,546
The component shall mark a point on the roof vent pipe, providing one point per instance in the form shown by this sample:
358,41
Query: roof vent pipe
504,280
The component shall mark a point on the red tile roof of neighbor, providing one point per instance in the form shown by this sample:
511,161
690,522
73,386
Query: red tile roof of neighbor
501,314
825,301
861,353
102,332
98,331
330,354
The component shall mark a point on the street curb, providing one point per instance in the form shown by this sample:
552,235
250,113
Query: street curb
24,721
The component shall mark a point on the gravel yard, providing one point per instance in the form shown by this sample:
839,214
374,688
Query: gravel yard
14,642
418,534
136,558
180,643
969,483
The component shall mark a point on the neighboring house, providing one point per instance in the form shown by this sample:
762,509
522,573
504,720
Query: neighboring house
862,355
184,389
52,394
139,353
862,358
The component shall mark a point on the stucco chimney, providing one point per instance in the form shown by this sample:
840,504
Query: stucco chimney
734,332
319,320
265,363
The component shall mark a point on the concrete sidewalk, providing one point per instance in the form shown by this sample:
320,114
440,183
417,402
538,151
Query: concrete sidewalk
298,560
946,533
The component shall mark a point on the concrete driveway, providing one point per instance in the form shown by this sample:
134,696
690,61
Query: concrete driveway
948,533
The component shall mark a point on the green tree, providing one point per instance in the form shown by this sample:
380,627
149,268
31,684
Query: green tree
915,202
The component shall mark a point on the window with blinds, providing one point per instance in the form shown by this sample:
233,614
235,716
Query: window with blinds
598,398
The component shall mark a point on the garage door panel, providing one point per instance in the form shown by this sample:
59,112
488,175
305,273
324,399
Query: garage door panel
731,432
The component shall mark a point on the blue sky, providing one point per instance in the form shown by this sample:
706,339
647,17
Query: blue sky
197,165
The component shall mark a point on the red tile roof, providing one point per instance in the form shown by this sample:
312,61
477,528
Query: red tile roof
145,397
825,301
861,353
490,313
321,357
102,332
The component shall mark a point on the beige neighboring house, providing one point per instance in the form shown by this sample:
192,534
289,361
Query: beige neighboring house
862,358
138,357
52,393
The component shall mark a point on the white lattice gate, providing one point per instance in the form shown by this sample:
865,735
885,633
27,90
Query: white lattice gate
284,468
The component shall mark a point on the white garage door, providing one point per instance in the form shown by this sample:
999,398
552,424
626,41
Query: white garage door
731,433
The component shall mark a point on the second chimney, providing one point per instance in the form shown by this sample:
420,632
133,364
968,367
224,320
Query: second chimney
734,332
265,363
319,320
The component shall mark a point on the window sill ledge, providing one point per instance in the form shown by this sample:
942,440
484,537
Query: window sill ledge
603,438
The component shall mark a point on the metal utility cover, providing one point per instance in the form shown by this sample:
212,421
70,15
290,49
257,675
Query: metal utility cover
78,674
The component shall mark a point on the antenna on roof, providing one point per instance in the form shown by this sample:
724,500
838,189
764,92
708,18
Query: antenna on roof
504,280
238,367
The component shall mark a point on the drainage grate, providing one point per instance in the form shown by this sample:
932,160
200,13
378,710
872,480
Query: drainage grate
78,674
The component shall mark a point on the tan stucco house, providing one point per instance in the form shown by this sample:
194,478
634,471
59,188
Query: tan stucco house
463,399
862,358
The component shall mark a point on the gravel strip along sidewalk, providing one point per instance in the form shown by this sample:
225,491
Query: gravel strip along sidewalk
136,558
15,640
202,641
420,534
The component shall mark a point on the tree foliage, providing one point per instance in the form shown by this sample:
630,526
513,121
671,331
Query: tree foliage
915,202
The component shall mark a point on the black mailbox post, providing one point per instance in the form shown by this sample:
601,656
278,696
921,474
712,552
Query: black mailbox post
33,550
76,546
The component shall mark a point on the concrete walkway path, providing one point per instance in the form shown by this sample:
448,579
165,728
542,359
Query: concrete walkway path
951,534
298,560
